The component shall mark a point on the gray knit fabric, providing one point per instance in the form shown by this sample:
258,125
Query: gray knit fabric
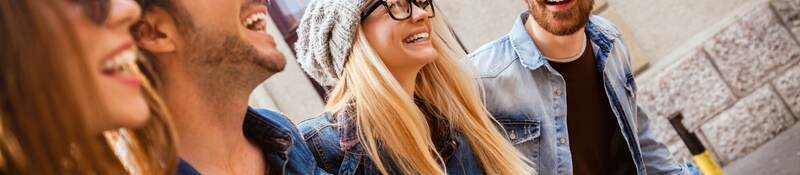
325,36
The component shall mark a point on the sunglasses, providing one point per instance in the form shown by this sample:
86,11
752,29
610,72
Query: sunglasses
96,10
400,9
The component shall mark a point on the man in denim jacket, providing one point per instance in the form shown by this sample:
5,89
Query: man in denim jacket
209,56
559,50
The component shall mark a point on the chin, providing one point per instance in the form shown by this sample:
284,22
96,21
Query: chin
427,54
431,58
134,115
432,55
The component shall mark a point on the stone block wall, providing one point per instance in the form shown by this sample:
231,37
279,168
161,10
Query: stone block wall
737,90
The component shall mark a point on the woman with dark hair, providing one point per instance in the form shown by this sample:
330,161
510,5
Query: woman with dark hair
72,100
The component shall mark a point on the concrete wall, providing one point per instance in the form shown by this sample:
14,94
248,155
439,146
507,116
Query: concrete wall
478,22
290,91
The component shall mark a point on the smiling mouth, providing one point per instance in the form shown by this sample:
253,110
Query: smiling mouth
256,22
422,36
120,64
557,2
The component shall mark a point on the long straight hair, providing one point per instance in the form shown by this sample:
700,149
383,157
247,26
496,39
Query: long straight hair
386,117
46,99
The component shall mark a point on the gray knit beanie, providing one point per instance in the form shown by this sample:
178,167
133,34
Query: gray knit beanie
325,36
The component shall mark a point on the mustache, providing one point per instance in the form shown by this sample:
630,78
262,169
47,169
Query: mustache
540,2
545,1
256,2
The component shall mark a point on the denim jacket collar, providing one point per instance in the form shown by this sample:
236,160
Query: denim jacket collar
355,154
349,142
274,139
273,136
602,38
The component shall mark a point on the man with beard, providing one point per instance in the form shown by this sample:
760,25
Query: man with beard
207,57
558,67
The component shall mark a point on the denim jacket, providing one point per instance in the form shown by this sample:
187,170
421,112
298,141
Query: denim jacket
323,137
527,96
283,147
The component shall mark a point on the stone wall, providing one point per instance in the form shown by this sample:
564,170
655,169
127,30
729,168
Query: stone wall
738,89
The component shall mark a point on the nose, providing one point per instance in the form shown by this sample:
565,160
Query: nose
123,14
419,14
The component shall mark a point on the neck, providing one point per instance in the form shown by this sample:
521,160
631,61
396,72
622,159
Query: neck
208,118
553,46
407,79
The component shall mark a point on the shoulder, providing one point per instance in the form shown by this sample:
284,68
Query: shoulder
275,120
314,127
272,116
493,57
322,136
184,168
604,26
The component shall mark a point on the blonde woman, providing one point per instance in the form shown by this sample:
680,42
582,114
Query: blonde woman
71,98
402,102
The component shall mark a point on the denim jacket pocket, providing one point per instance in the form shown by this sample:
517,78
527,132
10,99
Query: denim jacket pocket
524,135
520,131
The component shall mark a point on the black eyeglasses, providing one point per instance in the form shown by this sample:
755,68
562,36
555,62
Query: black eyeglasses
96,10
400,9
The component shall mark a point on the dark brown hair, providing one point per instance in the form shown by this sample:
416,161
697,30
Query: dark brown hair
46,97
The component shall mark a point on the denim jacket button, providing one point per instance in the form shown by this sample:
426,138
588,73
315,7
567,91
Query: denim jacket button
562,140
557,92
513,135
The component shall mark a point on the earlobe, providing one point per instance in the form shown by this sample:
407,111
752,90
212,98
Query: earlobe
154,32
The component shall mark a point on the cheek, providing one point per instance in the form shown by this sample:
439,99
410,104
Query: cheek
218,16
588,5
92,40
534,4
127,109
390,50
383,39
127,106
380,37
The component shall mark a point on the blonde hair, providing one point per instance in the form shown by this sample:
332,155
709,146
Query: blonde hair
387,116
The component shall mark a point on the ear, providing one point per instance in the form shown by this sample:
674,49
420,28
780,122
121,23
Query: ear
156,32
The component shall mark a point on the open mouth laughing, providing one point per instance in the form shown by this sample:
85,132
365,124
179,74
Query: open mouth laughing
256,22
120,65
559,5
417,37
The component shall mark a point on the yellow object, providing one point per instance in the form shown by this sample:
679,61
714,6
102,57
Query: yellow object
707,164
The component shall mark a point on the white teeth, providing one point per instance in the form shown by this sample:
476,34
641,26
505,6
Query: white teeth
252,19
418,36
120,61
555,0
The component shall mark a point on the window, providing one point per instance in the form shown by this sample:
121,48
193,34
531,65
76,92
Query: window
287,15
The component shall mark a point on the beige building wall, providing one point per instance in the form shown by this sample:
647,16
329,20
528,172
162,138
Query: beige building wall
289,92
